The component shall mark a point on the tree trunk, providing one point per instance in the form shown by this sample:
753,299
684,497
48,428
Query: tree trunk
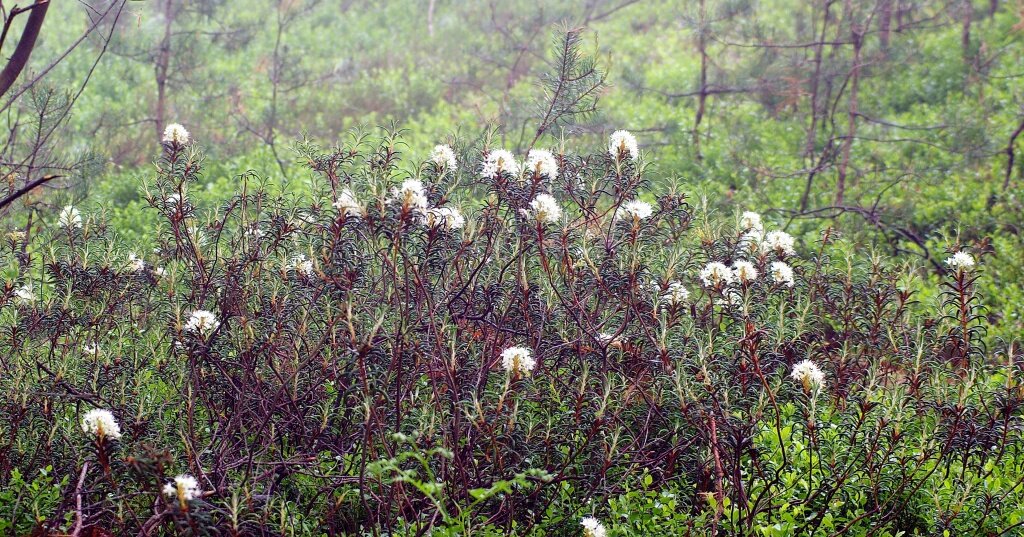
884,24
812,130
967,12
703,97
1010,155
161,68
851,129
25,45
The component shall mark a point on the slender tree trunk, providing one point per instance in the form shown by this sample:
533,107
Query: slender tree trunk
851,130
884,24
37,14
703,97
275,83
966,13
162,67
812,130
1010,155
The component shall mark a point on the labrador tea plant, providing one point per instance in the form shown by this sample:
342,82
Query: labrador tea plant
488,344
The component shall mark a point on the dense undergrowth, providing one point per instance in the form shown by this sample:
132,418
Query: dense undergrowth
486,344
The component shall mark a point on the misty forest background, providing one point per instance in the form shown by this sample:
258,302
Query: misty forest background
890,116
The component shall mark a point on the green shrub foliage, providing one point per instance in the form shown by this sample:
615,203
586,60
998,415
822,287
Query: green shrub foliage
488,343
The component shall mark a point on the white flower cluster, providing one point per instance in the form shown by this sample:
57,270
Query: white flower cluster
961,261
634,210
175,134
499,161
69,218
744,272
753,238
91,348
443,157
676,293
444,217
101,424
779,242
542,163
136,263
202,322
410,195
184,488
347,204
413,197
782,273
592,527
716,274
518,360
808,374
301,265
622,144
173,201
545,209
750,221
24,295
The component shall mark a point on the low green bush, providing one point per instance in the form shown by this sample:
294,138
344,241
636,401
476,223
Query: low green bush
478,345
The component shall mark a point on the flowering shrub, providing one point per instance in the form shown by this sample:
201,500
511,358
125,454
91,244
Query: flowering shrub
472,345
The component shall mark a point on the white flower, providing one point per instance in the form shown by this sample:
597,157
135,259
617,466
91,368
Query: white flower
411,195
101,424
593,527
255,233
622,144
779,242
91,347
202,322
676,293
497,161
518,360
960,261
715,274
545,208
750,220
808,374
24,294
173,200
607,339
175,134
444,217
69,217
160,272
542,163
751,240
636,210
184,488
136,263
782,273
444,157
347,204
300,264
744,271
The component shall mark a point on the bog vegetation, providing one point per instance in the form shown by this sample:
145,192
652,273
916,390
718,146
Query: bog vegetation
734,268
